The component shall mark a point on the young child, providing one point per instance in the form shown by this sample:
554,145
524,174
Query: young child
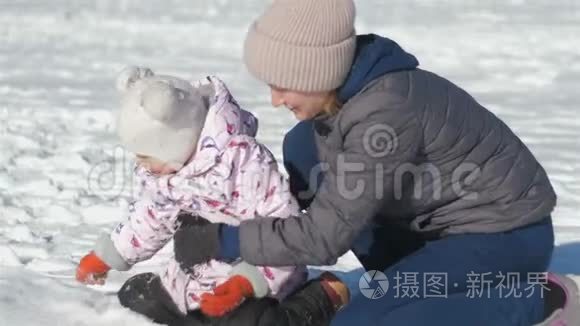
197,158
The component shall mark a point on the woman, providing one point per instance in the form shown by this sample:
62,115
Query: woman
415,176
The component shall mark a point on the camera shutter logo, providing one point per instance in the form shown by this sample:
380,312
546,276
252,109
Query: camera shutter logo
373,284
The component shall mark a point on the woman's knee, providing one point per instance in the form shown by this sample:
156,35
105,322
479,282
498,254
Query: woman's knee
536,243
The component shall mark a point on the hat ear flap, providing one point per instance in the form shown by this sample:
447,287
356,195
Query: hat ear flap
206,93
129,75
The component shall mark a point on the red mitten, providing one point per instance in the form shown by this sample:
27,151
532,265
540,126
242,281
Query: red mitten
92,270
227,296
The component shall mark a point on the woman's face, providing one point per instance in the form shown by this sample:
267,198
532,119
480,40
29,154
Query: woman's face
153,165
304,105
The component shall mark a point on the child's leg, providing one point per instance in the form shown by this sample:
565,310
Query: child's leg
309,306
143,293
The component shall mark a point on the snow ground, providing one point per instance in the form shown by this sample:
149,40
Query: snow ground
63,179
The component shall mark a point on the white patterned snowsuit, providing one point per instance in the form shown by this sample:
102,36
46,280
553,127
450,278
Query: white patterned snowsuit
231,178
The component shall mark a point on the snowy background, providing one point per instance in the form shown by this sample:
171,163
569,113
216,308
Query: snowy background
63,179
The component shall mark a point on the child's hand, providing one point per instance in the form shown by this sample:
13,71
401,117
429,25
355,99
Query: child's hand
227,296
92,270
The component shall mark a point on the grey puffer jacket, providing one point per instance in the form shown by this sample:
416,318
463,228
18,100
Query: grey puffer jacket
410,148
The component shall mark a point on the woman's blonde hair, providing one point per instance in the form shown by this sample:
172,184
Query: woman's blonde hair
332,105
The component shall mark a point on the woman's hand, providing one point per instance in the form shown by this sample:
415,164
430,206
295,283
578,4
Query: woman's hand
196,241
92,270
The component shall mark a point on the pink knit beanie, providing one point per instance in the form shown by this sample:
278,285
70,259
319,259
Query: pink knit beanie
302,45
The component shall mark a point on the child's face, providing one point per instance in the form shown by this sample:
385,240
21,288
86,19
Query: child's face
154,165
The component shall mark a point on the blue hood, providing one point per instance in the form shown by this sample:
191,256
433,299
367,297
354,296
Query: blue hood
374,57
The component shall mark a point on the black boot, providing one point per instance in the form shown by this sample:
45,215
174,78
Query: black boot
144,293
308,306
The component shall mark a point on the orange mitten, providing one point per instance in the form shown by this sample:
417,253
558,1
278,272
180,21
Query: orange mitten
92,270
227,296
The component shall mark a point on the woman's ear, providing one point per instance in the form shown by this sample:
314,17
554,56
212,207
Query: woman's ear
129,75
